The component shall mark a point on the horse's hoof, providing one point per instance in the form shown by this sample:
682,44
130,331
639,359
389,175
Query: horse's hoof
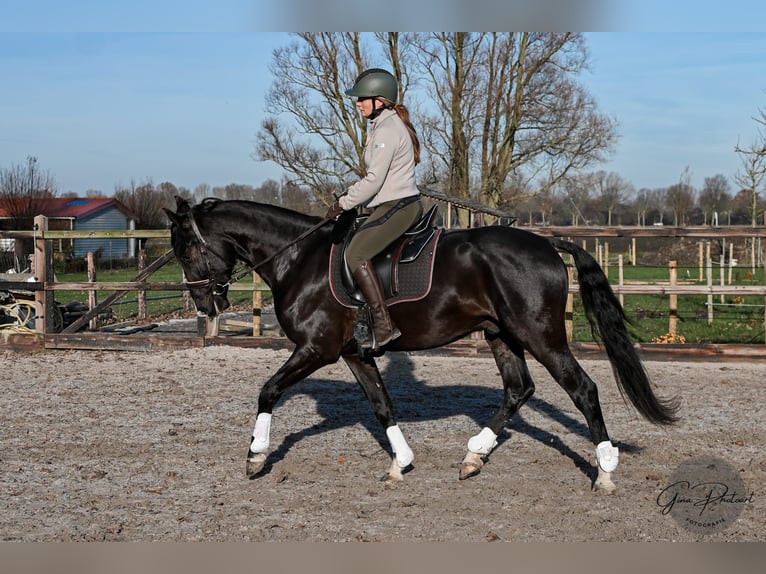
471,465
467,470
392,479
395,473
604,484
255,465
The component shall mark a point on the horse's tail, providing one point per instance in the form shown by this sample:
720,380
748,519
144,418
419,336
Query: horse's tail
608,322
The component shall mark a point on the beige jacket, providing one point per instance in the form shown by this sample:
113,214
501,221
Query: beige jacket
390,162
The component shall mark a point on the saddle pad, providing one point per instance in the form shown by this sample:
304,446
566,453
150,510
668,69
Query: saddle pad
414,277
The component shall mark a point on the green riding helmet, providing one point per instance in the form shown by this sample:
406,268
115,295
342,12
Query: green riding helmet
375,83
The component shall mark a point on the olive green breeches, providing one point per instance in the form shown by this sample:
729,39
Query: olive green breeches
386,223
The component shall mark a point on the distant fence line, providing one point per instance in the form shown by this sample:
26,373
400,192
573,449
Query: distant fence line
45,286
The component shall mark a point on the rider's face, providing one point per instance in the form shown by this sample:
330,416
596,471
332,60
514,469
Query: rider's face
366,106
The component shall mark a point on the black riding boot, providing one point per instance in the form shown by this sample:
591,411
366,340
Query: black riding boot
384,330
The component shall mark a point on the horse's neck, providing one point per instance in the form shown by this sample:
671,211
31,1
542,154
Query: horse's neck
265,234
262,229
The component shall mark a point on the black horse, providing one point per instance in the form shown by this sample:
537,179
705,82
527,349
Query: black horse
510,283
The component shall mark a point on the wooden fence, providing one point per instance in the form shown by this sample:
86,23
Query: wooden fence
45,286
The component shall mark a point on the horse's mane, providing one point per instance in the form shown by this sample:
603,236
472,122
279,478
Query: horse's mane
247,209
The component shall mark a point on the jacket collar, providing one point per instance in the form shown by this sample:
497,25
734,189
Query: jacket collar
382,116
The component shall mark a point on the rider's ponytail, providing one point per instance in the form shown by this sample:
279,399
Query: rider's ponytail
404,114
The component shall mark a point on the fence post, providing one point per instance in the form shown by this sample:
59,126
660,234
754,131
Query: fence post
141,293
635,253
702,259
754,247
569,310
599,254
709,271
620,278
257,304
721,271
208,326
185,295
673,326
43,269
92,297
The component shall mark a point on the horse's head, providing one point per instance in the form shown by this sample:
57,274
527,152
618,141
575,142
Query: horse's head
207,259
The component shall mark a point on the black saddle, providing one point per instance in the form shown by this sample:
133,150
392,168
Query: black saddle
406,249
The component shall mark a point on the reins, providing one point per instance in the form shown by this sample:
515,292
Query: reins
219,288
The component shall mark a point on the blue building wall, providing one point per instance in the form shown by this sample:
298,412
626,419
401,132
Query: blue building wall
107,220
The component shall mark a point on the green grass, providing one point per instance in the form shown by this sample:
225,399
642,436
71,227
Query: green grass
740,320
158,302
735,320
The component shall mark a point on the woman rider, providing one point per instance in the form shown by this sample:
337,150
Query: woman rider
391,152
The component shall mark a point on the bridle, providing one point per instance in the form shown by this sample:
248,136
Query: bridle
220,288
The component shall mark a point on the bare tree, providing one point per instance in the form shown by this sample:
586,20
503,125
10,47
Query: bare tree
680,197
612,191
658,202
313,131
509,103
234,191
146,202
714,198
297,197
506,104
752,171
576,191
642,204
449,61
202,191
25,191
269,192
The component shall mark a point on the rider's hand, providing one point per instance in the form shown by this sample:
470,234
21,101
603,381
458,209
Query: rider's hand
334,211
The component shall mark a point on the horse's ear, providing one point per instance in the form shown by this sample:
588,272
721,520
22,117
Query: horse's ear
172,216
182,206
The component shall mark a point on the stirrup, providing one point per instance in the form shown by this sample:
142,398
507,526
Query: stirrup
363,329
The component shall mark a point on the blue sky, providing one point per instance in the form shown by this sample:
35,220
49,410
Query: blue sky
102,94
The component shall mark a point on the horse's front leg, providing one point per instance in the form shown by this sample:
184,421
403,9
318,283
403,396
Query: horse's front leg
300,365
368,376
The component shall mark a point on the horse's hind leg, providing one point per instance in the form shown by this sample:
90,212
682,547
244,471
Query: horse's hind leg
368,376
565,369
518,387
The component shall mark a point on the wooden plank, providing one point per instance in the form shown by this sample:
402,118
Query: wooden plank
461,348
107,234
277,343
554,230
21,286
114,342
132,286
20,342
679,351
86,317
115,286
683,289
659,231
